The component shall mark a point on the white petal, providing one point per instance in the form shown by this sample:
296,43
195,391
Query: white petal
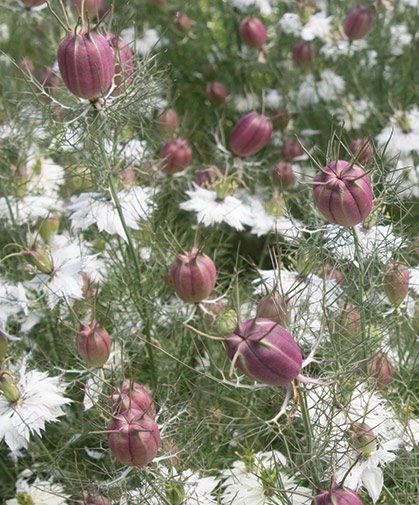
372,479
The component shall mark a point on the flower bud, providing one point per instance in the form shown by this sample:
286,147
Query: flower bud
226,322
362,149
342,192
132,396
362,438
291,149
396,282
358,22
381,369
274,307
250,134
94,9
166,121
338,495
134,438
123,63
39,258
193,275
93,344
85,60
252,32
8,388
47,226
216,92
181,22
264,351
176,155
283,174
48,79
303,53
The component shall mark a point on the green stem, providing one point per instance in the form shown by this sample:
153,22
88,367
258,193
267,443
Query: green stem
361,291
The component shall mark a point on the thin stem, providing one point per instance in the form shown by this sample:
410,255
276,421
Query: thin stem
361,290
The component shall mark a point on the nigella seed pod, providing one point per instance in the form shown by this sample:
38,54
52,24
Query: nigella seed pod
381,369
362,149
94,499
32,3
274,307
123,63
131,395
291,149
337,495
396,282
94,9
342,192
193,275
134,438
93,344
48,79
303,53
166,121
216,92
182,22
85,60
207,177
176,155
264,351
362,438
283,174
358,22
252,32
250,134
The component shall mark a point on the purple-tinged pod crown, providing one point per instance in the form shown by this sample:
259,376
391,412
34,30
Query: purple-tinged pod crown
134,438
362,438
86,63
93,344
176,155
358,22
338,495
166,121
396,282
264,351
342,192
216,92
193,275
131,395
381,369
250,134
303,53
362,149
252,32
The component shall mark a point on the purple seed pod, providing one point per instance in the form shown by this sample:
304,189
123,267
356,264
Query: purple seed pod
282,174
193,275
328,272
362,149
216,92
134,438
181,22
123,63
342,192
264,351
381,369
48,79
274,307
338,495
250,134
252,32
303,53
131,395
176,155
358,22
85,60
362,438
396,282
207,177
94,499
32,3
95,9
93,344
166,121
281,118
291,149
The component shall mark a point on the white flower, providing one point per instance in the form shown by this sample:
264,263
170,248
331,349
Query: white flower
212,210
291,23
399,38
246,103
150,40
335,49
40,401
317,26
39,492
402,134
263,5
255,484
273,99
68,263
328,88
44,176
29,208
12,301
94,208
377,240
